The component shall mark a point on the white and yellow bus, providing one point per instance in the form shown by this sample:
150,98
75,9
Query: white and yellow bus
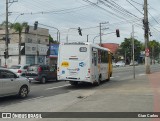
83,62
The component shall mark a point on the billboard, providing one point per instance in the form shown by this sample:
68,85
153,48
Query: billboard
31,49
54,50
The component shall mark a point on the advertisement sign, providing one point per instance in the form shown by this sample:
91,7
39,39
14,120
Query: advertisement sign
54,50
31,49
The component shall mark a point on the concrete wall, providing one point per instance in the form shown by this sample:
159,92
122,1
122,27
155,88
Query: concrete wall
41,36
12,60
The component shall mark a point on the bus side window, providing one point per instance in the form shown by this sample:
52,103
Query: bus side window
99,56
95,59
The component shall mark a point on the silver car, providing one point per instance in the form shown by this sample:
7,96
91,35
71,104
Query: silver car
120,64
19,69
12,84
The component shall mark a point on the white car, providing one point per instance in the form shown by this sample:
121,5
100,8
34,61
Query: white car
135,63
120,64
113,64
19,69
12,84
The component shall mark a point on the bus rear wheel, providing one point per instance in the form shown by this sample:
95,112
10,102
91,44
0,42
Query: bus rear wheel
97,83
108,77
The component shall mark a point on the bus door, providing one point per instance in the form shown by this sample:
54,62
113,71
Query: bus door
95,63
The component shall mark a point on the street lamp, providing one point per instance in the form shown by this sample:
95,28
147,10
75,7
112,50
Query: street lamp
68,32
58,32
18,17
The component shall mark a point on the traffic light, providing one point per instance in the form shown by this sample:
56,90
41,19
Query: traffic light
35,25
117,33
37,53
6,55
80,31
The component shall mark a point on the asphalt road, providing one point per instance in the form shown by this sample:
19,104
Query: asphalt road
53,88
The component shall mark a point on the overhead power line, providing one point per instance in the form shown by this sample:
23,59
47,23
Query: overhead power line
137,2
135,7
112,13
120,8
68,10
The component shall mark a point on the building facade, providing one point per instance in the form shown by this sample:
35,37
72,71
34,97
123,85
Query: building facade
34,46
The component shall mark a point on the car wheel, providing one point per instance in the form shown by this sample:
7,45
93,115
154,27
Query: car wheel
23,92
43,80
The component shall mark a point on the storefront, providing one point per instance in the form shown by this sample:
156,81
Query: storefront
53,54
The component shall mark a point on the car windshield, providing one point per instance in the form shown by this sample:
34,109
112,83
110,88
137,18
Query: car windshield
120,62
33,68
15,67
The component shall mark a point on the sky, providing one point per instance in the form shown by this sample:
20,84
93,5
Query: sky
68,15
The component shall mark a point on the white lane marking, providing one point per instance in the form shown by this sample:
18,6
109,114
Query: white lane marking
111,77
141,74
32,99
116,76
57,87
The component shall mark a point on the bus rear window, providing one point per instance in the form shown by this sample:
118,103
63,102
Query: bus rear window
83,49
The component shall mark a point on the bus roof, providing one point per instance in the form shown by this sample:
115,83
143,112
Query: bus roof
86,43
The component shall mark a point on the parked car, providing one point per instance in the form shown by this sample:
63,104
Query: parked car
12,84
135,63
113,64
2,67
41,73
19,69
120,64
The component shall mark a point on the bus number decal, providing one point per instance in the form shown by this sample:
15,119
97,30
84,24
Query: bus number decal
65,64
83,49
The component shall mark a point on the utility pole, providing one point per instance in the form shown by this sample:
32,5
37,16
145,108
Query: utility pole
100,33
87,37
146,37
133,51
6,32
100,28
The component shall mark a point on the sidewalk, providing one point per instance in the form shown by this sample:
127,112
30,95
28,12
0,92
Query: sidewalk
155,85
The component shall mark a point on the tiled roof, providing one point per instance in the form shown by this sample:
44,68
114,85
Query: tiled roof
112,46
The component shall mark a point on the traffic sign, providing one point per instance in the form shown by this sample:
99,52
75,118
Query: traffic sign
147,54
147,50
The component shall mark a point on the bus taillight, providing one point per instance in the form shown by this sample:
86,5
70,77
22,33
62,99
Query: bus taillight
58,69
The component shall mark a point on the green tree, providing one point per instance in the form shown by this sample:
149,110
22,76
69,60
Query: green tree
18,27
51,40
154,48
126,49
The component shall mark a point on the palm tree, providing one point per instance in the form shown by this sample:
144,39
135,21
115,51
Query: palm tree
18,27
4,24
